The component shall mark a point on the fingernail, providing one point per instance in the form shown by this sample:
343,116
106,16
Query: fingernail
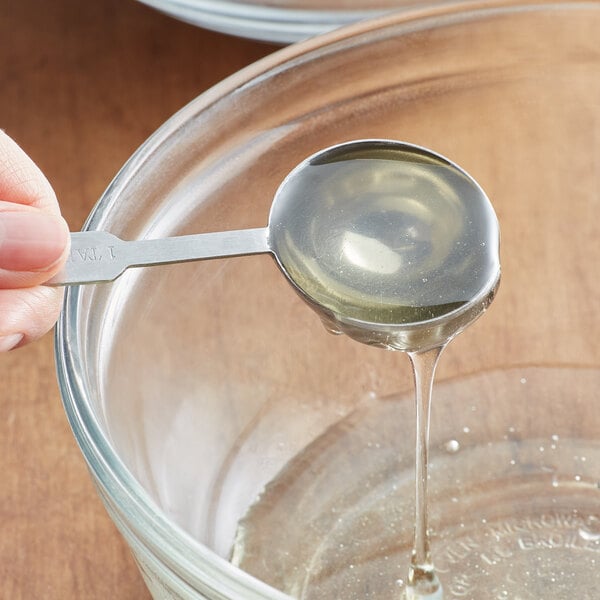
8,342
31,240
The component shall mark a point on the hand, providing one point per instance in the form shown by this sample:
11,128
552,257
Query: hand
33,246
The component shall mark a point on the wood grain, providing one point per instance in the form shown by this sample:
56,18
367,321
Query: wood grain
82,84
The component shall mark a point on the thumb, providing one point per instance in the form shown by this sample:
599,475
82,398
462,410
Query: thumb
33,245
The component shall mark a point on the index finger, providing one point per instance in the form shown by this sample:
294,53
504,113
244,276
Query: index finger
21,181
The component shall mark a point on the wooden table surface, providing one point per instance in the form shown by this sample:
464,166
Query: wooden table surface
82,85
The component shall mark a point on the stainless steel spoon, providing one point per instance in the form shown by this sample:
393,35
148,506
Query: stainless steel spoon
390,243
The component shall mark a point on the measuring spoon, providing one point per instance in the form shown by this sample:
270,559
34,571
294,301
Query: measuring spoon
389,242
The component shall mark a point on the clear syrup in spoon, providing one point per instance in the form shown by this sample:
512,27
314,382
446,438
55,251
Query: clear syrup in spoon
392,244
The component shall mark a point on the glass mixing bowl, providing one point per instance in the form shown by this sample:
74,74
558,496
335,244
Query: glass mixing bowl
245,453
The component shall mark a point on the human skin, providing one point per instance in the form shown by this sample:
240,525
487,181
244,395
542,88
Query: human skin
33,247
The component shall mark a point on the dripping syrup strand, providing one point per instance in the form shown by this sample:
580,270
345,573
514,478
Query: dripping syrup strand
422,579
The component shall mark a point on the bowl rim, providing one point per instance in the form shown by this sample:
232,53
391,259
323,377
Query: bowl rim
202,567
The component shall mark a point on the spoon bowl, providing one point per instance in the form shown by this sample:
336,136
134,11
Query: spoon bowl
389,242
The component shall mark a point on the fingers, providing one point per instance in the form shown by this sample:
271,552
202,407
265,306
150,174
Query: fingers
34,242
27,314
33,245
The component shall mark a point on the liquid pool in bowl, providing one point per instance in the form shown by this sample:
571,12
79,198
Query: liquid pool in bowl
512,514
190,388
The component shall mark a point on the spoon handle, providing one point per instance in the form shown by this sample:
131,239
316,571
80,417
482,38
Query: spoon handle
99,256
